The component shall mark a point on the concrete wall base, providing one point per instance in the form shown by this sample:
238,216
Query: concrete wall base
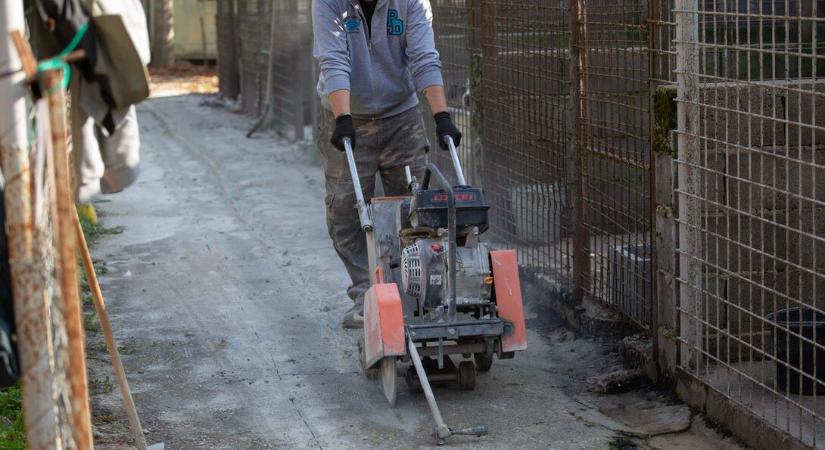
752,429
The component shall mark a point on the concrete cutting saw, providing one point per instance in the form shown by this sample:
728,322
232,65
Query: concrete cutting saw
438,292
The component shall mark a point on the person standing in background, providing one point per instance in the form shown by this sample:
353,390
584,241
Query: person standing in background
106,138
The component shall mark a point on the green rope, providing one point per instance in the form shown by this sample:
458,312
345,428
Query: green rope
58,63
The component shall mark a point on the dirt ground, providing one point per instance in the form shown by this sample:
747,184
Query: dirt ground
189,78
226,297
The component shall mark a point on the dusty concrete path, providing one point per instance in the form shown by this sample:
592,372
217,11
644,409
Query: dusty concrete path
226,295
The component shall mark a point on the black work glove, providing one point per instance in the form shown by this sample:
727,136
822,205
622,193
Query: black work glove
343,129
444,127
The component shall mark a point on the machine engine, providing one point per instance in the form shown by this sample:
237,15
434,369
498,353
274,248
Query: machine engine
424,273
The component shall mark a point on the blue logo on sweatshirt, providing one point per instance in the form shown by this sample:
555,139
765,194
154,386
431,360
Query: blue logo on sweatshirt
395,26
352,25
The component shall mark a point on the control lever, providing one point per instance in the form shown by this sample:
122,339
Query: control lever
459,173
412,182
360,204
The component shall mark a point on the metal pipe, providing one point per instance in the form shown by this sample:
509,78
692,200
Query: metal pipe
360,204
442,432
459,172
36,353
579,102
13,129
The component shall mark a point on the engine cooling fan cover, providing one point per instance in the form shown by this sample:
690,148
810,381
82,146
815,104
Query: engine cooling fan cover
411,270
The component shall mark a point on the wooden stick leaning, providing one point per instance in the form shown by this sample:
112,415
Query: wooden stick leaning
111,344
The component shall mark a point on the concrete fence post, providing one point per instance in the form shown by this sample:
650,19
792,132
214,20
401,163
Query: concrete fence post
665,294
686,13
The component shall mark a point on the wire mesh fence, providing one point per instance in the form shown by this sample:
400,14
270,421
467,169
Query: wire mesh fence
751,195
456,25
252,22
616,140
282,81
527,132
49,333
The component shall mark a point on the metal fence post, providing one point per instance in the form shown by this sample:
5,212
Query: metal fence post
30,302
654,306
475,101
689,177
315,100
227,56
579,115
488,68
300,81
66,246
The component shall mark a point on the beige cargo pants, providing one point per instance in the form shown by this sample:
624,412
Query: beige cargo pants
383,146
103,164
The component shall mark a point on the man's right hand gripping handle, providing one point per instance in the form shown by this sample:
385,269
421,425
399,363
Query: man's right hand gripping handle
343,129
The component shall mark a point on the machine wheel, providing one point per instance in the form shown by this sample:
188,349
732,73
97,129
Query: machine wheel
372,373
413,383
483,361
389,378
467,375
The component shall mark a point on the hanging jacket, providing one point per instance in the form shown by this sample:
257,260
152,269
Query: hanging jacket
67,17
134,17
9,365
54,23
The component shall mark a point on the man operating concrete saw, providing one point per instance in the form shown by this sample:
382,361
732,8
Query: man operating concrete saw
375,56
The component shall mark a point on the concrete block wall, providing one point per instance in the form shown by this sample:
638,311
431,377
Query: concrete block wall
763,115
763,188
763,182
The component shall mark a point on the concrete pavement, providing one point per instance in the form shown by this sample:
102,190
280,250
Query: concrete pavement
228,295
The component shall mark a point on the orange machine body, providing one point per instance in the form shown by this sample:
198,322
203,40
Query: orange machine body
383,323
508,298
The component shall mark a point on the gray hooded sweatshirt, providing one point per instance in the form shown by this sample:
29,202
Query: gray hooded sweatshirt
382,69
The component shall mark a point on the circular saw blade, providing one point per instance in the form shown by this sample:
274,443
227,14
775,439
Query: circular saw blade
389,378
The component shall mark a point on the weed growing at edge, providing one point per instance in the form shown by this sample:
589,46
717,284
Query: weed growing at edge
94,231
90,322
12,435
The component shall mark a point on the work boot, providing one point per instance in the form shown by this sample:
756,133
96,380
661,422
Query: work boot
354,318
